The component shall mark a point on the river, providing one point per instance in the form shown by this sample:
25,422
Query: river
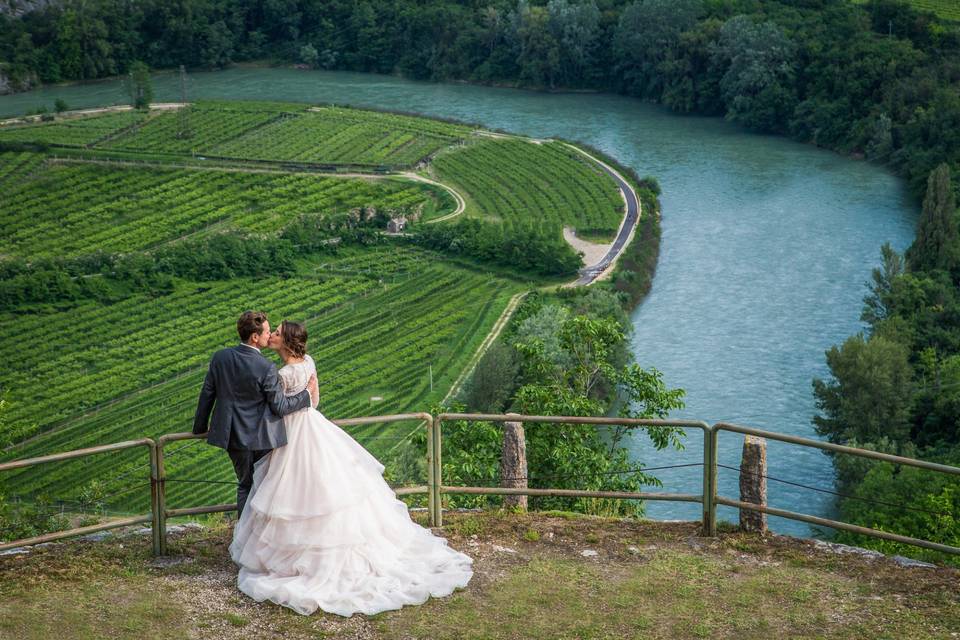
767,245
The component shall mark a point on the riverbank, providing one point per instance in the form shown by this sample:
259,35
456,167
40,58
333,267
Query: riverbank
536,575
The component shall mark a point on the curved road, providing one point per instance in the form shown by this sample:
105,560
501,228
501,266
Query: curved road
589,273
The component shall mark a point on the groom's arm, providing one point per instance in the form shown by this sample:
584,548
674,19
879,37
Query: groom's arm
280,404
208,395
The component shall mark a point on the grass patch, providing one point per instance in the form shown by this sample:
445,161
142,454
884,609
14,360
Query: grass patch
648,580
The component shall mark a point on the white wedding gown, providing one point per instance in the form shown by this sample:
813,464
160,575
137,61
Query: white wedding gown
322,529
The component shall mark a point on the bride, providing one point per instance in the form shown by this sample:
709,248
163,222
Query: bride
322,529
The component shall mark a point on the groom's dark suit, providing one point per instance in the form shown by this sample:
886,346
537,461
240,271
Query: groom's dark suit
243,391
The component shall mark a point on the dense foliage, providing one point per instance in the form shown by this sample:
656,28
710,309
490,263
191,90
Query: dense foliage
562,354
878,78
524,245
897,388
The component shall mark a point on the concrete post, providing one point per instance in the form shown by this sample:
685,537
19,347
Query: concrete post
753,484
513,463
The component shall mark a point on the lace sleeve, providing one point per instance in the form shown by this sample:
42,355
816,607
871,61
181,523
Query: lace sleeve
287,381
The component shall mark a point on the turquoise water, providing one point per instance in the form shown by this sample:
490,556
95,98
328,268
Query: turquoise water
766,248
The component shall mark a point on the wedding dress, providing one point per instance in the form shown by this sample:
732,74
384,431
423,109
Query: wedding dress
322,529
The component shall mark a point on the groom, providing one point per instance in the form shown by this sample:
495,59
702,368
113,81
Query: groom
244,393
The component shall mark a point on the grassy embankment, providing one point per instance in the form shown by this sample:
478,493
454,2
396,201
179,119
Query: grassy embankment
648,580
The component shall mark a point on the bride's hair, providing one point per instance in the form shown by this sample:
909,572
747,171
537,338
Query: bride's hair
294,336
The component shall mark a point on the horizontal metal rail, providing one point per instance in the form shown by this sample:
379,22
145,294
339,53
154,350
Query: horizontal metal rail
709,511
79,531
103,526
825,522
435,488
163,513
77,453
573,493
837,448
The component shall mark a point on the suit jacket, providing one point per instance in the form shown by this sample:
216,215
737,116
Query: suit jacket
243,391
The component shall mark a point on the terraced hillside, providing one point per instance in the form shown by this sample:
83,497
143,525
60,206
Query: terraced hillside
255,131
517,180
392,325
378,320
76,208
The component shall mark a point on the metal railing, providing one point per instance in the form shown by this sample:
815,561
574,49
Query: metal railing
435,488
836,448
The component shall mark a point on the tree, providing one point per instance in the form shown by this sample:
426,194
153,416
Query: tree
876,305
937,245
880,144
568,455
647,34
309,55
869,396
492,383
575,27
758,84
537,50
60,105
141,87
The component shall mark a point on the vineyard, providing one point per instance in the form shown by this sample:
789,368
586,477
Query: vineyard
516,180
392,324
75,132
255,131
71,209
336,136
134,369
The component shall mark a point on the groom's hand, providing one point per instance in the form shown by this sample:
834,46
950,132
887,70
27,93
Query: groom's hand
314,391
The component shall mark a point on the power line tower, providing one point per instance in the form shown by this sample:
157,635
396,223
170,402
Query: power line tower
184,131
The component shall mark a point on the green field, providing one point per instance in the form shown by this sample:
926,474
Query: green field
69,209
134,369
391,325
256,131
513,180
74,132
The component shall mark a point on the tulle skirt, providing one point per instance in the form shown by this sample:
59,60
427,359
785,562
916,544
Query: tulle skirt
322,529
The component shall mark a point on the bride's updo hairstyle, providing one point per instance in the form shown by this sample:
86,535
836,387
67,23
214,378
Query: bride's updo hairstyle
294,336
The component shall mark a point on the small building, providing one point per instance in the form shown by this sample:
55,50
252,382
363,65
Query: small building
396,225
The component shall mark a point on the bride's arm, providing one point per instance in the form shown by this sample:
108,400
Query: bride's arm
282,404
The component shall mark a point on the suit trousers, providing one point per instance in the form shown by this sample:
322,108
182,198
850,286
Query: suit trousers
243,461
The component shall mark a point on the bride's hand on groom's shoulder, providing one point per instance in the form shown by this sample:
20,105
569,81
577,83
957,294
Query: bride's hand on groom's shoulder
314,391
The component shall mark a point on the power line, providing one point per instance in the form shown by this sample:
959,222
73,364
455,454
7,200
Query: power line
839,494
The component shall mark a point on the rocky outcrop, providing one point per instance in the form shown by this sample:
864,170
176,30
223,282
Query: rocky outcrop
9,85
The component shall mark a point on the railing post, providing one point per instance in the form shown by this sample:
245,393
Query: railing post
431,478
155,500
710,482
437,474
161,515
513,464
753,483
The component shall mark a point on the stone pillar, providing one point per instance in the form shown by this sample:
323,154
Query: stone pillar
753,484
513,463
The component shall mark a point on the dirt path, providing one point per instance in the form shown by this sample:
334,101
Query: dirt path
489,340
66,115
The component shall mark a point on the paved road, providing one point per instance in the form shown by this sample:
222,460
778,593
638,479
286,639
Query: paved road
589,274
